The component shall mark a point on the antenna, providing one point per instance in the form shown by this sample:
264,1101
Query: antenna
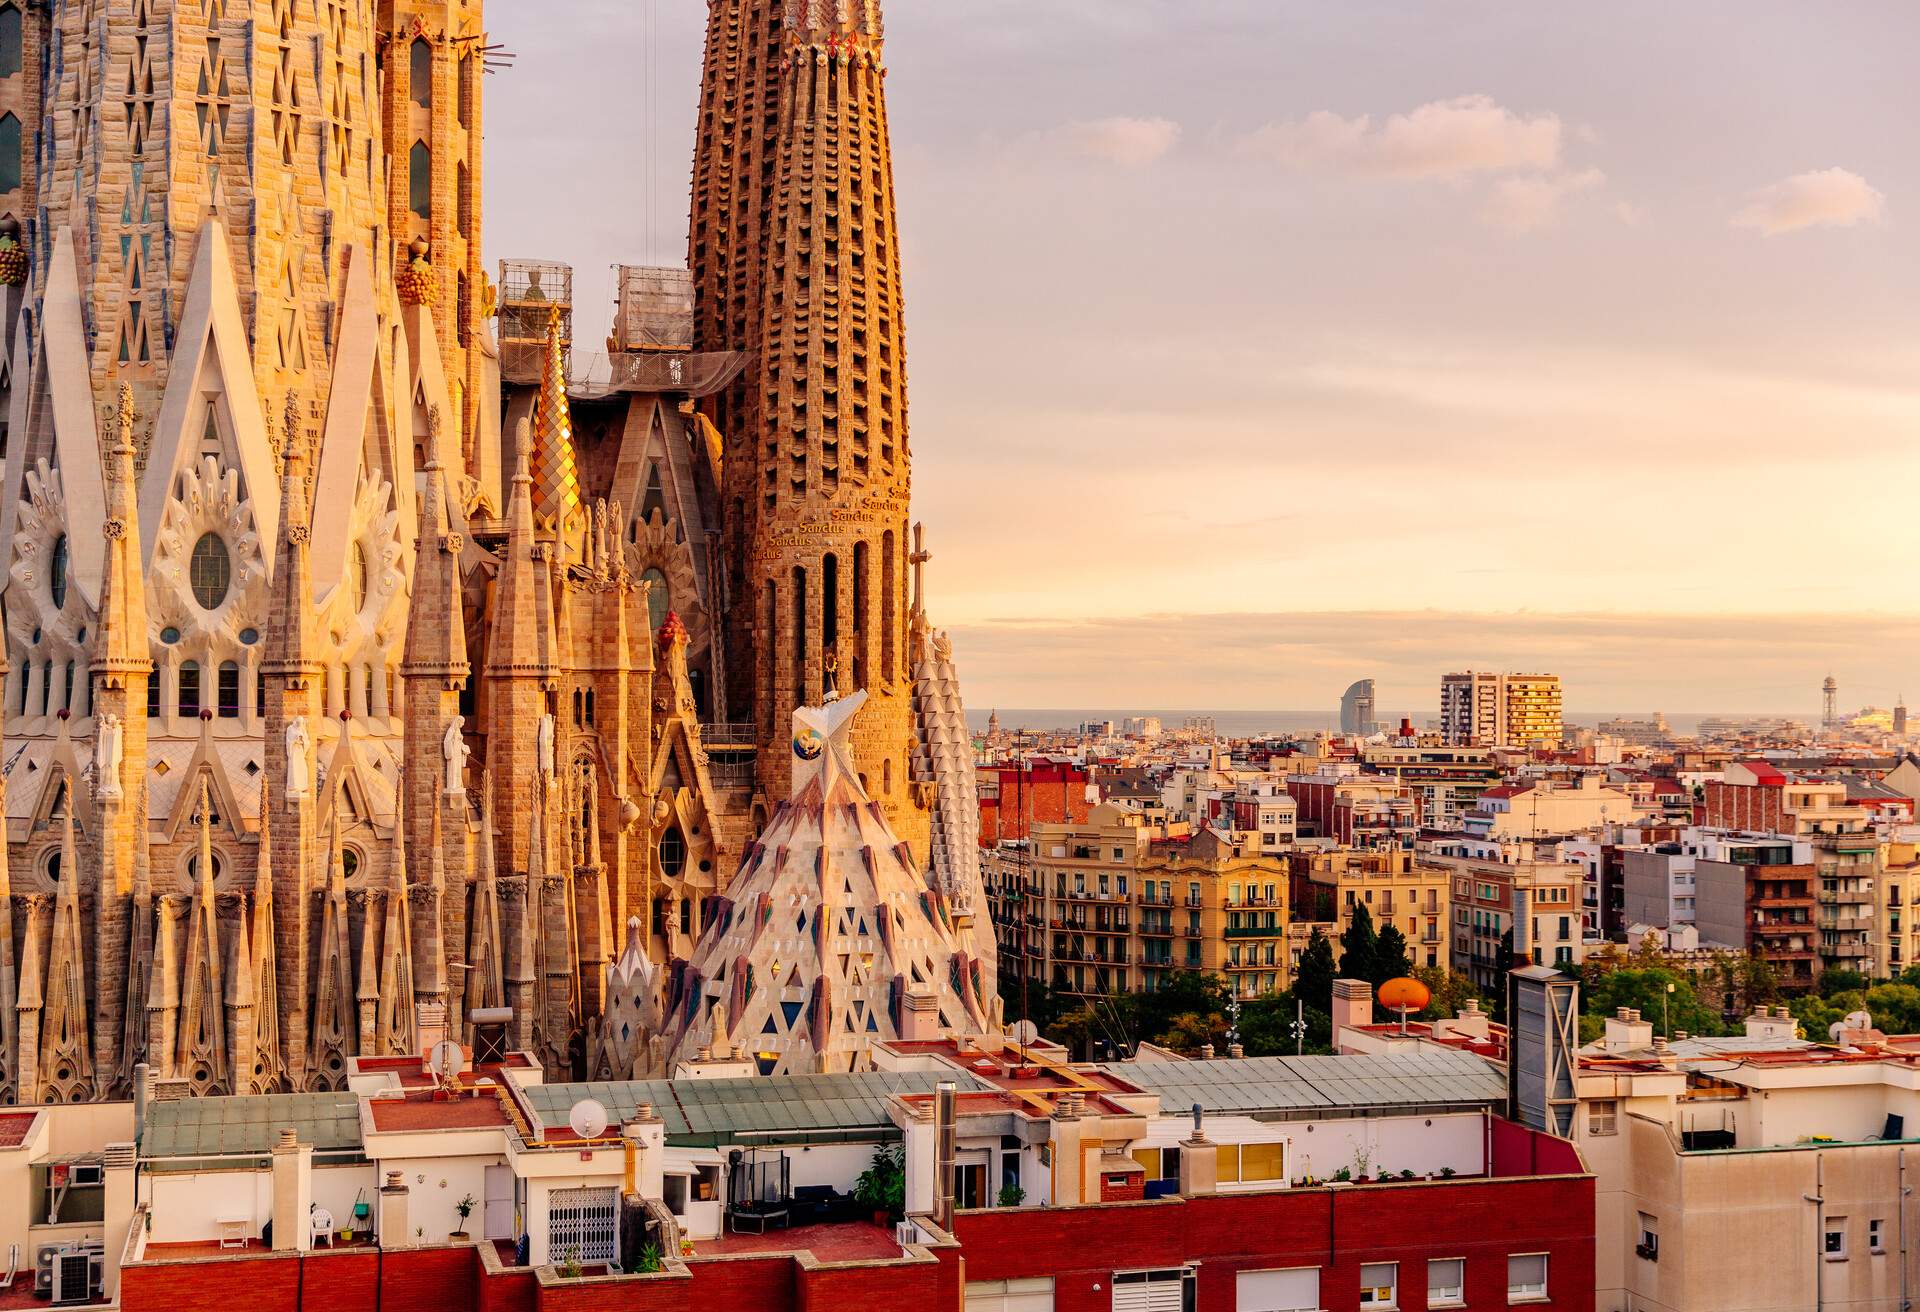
588,1119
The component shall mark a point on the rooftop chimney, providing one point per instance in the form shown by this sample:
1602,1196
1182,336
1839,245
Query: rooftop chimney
1352,1006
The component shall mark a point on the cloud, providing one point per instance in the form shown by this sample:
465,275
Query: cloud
1630,214
1129,143
1522,204
1833,198
1442,139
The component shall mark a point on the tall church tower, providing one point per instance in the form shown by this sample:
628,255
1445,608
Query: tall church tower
432,61
817,478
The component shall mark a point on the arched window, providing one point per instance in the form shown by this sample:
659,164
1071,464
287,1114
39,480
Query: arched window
57,572
190,688
66,688
349,863
420,72
229,690
210,571
659,598
357,578
420,180
799,600
193,862
10,162
589,716
579,709
9,40
673,853
260,692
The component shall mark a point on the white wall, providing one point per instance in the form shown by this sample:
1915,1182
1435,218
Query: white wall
435,1185
186,1206
1320,1148
837,1164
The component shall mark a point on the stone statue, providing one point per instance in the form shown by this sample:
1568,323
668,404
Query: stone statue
107,746
543,746
299,754
453,747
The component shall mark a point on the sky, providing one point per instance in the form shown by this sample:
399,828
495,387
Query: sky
1257,346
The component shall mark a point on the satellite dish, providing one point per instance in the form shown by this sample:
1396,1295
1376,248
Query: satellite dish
1024,1032
446,1059
588,1119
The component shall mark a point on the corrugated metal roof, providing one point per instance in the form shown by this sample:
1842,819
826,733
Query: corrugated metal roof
212,1127
709,1111
1252,1085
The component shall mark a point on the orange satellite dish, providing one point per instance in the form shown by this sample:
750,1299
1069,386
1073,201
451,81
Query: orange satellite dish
1404,996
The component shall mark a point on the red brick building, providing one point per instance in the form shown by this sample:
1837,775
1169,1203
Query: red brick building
1014,798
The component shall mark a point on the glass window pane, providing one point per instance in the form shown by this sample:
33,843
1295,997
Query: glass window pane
420,180
420,72
210,571
10,43
1263,1161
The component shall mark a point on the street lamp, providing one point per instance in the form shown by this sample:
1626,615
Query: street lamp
1665,1031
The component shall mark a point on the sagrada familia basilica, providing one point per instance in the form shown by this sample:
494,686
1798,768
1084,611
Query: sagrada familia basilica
380,666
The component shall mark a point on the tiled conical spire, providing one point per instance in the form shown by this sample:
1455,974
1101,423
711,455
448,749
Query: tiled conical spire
556,473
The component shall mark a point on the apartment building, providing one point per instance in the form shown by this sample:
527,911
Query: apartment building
1260,816
1898,905
1481,708
1758,797
1541,809
1113,905
1396,888
1756,1171
1538,900
1015,796
1756,895
1446,780
1355,810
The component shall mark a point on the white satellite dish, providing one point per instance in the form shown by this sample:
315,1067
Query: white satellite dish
588,1119
1024,1032
446,1059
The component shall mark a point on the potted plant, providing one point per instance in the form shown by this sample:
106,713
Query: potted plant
1447,1173
1343,1175
1012,1195
1406,1174
650,1258
686,1246
465,1208
570,1263
882,1187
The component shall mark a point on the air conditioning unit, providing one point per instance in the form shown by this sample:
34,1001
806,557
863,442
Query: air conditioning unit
70,1273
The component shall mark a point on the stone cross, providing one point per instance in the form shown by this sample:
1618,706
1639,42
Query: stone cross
919,557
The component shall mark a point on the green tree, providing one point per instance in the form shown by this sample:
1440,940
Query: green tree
1645,989
1895,1009
1265,1024
1840,980
1357,945
1450,992
1390,958
1313,978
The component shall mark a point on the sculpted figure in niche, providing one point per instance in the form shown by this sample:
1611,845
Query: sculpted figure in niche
454,748
299,758
543,746
107,747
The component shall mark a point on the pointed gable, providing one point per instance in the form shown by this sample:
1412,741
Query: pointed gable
212,366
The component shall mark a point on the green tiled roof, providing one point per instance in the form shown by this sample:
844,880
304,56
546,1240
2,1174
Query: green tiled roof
791,1107
222,1127
1302,1086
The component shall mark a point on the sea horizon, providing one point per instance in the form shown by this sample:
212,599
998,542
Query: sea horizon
1245,723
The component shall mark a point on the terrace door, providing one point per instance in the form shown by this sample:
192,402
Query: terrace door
497,1219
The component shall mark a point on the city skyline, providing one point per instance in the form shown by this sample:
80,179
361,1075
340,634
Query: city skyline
1488,286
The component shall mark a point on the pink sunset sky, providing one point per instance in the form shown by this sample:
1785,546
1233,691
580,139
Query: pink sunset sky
1258,346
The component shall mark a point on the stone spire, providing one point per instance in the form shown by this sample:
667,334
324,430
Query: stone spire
430,932
292,672
486,966
434,671
200,1056
9,992
268,1072
66,1055
242,1059
394,1029
136,1028
521,732
120,670
333,996
556,473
